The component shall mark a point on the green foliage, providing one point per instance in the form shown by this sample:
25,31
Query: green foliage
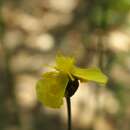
52,86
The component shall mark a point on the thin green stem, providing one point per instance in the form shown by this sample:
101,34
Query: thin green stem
68,101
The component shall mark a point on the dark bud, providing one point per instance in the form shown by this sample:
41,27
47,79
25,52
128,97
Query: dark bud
71,88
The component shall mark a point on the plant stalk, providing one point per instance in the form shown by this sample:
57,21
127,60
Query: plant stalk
68,101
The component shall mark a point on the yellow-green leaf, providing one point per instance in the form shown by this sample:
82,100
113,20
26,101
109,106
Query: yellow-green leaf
90,74
51,89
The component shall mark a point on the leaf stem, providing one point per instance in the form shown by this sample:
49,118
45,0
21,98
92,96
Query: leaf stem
68,101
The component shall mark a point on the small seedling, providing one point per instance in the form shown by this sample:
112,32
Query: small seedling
63,82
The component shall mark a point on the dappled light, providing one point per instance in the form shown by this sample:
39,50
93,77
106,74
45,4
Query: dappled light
96,33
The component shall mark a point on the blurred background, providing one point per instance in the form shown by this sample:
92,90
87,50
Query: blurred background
96,32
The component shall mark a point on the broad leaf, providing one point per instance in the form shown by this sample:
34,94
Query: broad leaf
91,74
51,89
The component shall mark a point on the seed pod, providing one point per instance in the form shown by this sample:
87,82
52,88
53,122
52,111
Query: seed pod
71,88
